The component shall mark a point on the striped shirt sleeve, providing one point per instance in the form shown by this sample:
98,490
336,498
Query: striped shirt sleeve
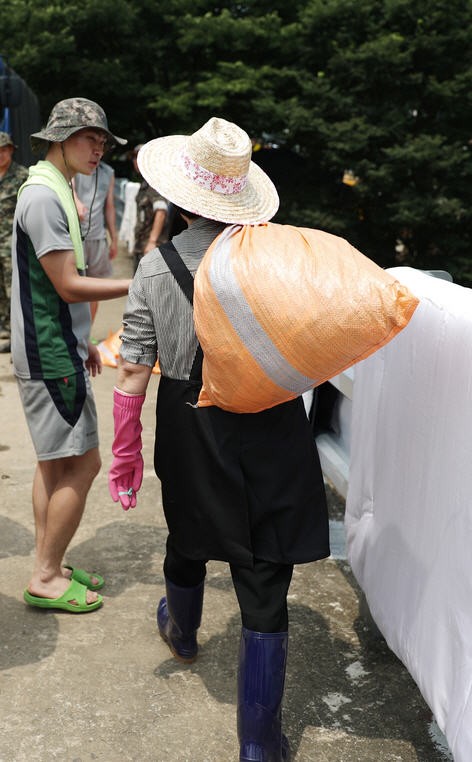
158,320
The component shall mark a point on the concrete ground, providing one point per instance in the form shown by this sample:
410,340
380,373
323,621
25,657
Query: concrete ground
103,686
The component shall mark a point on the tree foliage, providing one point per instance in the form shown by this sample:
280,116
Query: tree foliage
379,88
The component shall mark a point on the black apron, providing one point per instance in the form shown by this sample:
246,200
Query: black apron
236,486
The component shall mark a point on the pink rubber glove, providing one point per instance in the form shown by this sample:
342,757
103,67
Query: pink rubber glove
126,472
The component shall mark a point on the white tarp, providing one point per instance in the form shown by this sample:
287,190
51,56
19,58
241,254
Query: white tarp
128,221
409,503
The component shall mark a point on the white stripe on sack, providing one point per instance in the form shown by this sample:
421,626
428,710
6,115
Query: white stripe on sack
253,336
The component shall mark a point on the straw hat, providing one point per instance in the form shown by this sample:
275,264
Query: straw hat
210,173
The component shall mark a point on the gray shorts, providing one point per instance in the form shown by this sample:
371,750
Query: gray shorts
60,414
97,258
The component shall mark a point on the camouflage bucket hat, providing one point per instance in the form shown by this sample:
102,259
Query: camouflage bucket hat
70,116
5,140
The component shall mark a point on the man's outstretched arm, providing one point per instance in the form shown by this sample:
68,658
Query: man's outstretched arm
60,267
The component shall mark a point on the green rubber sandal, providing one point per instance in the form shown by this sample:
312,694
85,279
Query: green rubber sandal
85,578
75,592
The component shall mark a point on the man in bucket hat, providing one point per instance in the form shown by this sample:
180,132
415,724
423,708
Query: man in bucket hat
11,177
51,353
70,116
242,488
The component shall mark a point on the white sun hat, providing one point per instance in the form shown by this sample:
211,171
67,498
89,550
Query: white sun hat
210,173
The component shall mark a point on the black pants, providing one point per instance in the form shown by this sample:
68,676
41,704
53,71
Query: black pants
261,591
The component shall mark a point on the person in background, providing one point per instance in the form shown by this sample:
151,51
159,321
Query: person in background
12,175
151,218
242,488
94,196
51,352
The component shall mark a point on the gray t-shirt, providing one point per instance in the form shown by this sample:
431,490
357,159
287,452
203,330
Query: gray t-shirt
49,336
92,190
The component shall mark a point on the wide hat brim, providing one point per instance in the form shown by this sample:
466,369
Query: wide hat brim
58,134
160,164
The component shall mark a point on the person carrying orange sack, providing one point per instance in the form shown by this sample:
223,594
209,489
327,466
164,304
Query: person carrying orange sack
242,488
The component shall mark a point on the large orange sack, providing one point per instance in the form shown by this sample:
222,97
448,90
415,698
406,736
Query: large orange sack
280,309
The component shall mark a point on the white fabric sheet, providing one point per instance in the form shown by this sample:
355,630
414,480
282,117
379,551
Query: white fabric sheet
409,503
128,221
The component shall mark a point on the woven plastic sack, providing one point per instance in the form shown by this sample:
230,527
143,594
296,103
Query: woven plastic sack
109,350
280,309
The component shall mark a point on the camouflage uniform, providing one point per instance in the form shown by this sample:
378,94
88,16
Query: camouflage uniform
147,202
9,184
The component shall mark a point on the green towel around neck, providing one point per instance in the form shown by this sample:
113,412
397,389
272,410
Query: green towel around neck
45,173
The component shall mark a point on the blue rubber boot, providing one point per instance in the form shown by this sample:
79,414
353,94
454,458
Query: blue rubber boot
261,679
178,619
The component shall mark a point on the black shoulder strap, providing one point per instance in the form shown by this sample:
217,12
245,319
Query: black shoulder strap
178,268
184,278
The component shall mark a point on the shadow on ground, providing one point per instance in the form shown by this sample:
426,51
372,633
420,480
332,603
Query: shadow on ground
27,635
123,553
367,693
16,540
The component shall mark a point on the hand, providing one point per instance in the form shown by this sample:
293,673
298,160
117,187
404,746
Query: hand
126,472
113,250
124,480
93,362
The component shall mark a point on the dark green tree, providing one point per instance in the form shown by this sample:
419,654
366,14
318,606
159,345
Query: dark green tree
387,94
381,88
70,48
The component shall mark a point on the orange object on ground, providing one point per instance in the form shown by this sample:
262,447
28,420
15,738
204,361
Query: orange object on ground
280,309
109,350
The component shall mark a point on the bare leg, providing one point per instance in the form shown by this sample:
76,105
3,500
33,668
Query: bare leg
60,489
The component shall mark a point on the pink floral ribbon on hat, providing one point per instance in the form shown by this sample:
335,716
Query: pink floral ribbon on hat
209,180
